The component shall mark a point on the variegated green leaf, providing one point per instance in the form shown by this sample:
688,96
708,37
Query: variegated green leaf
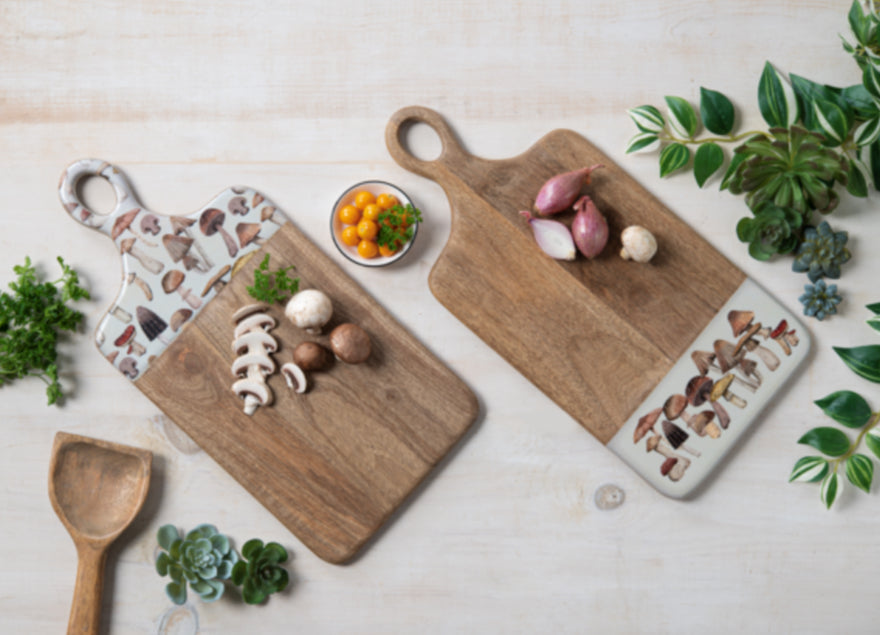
643,142
647,118
831,119
874,322
862,360
831,487
872,441
871,80
682,116
673,157
860,471
867,132
857,179
776,99
860,24
870,157
809,469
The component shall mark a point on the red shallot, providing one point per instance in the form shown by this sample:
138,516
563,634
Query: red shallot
589,228
560,192
552,237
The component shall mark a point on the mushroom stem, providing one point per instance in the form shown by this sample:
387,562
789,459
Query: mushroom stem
231,247
765,354
150,264
133,278
120,314
723,416
191,298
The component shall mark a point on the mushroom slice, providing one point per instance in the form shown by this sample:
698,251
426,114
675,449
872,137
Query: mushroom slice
294,376
256,321
241,364
254,340
254,394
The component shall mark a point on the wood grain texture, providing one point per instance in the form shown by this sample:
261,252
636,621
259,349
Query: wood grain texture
596,336
333,463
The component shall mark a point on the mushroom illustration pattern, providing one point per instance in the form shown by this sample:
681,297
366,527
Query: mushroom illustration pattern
723,373
172,265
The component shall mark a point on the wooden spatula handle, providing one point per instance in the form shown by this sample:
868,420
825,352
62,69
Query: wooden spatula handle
85,613
452,153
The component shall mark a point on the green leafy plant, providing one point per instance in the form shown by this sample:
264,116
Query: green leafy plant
207,561
260,573
203,558
820,138
33,315
272,286
397,224
850,410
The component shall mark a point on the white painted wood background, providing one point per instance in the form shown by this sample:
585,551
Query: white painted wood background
292,98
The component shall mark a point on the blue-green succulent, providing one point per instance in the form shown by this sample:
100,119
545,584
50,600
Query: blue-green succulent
203,558
820,300
260,573
821,252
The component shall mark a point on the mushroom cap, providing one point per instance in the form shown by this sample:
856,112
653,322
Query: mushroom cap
350,343
249,309
123,222
748,366
238,205
638,243
674,406
125,336
151,323
720,387
702,359
259,390
675,435
172,280
180,316
267,212
211,220
668,464
697,390
126,244
312,356
294,376
177,246
699,421
748,335
653,442
309,309
724,355
150,224
180,223
740,320
779,330
215,279
646,423
128,367
247,233
258,198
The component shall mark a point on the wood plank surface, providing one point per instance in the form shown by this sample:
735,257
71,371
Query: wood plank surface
331,464
594,335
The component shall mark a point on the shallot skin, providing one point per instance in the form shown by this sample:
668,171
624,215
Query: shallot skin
589,228
552,237
559,192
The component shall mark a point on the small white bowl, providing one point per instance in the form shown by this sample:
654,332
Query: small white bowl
336,226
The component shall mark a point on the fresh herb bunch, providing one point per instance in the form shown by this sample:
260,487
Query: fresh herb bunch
851,410
396,225
819,138
206,560
259,573
273,286
32,317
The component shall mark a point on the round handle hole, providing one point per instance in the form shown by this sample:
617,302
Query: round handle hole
96,194
420,140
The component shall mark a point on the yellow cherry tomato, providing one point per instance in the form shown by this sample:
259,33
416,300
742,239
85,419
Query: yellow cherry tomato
385,250
386,201
371,212
363,198
350,236
367,229
367,249
349,215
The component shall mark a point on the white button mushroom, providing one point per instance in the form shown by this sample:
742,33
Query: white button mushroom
309,309
638,244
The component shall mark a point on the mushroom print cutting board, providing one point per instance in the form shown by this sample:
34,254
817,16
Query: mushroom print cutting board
332,463
667,363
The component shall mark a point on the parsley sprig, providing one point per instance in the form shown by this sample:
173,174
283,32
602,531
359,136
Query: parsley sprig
396,225
32,316
272,286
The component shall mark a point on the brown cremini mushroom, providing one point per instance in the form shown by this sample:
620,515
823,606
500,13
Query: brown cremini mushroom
350,343
312,356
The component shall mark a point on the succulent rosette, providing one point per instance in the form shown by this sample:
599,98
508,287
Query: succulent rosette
821,252
260,572
772,230
203,558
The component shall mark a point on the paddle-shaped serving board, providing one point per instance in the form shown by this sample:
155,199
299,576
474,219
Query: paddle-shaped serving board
608,340
332,464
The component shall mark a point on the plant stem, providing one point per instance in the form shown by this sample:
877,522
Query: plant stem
729,139
872,423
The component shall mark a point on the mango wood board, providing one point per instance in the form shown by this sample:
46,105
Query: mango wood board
331,464
596,336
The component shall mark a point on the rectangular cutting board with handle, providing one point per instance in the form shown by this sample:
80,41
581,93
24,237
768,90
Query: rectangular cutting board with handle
639,354
331,464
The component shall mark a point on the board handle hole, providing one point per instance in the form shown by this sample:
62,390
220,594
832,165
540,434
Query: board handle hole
96,194
421,141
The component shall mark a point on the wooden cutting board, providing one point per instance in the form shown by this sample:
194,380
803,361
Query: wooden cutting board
333,463
598,337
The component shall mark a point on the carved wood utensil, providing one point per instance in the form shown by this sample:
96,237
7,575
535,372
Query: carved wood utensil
96,488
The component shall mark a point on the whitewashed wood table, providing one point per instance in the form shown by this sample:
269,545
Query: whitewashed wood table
292,98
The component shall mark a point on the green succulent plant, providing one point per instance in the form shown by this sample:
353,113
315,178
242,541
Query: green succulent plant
820,300
821,252
790,168
773,230
203,558
260,572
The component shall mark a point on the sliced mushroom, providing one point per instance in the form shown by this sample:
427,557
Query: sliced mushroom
294,376
253,344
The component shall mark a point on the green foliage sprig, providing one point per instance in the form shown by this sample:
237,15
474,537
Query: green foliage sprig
206,560
851,410
272,286
819,139
397,224
32,317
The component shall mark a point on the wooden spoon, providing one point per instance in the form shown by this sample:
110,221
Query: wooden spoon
96,488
